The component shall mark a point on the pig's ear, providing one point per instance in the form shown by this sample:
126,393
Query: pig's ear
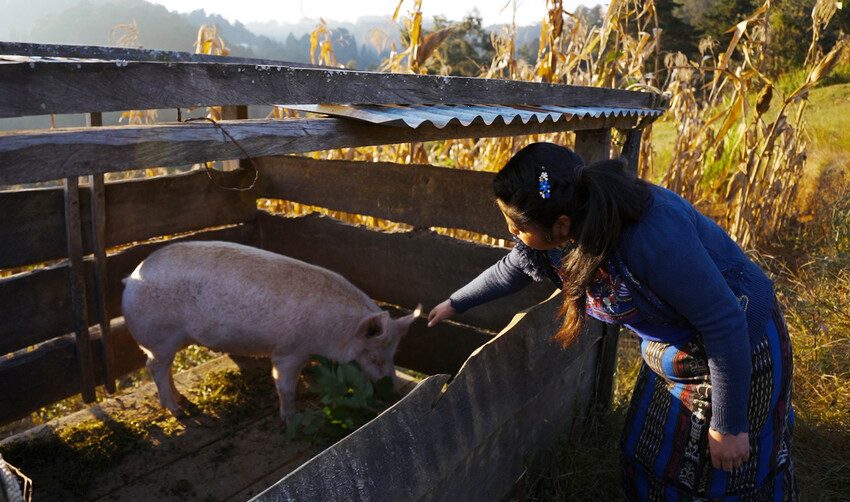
407,320
373,325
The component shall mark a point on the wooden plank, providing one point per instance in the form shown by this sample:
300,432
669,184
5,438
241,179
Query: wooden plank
594,145
34,307
420,195
631,149
38,87
77,287
181,203
403,268
50,372
32,226
441,349
98,230
31,156
470,442
128,54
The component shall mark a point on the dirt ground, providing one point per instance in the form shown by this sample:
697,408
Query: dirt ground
230,446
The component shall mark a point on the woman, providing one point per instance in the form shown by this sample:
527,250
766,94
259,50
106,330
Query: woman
710,415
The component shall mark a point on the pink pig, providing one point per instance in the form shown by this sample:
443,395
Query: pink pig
246,301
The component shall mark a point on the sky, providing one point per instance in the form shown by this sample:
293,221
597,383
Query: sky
246,11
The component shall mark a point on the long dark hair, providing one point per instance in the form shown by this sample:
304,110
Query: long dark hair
601,199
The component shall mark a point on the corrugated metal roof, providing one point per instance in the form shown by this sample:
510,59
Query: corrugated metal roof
442,115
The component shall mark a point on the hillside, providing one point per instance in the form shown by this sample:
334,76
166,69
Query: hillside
90,22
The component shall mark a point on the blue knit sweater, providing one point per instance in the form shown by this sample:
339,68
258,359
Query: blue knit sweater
683,270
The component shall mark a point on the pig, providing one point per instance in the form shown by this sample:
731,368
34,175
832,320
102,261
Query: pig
250,302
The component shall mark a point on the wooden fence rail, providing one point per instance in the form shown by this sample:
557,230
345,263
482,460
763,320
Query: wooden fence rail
137,209
38,87
47,155
419,195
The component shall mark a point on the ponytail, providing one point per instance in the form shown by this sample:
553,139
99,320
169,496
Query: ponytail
614,199
601,200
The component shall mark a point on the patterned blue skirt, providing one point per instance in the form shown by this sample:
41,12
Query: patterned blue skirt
664,446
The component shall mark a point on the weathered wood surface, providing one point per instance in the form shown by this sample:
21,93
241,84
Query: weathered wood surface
31,156
594,144
77,287
441,349
472,441
420,195
32,228
128,54
34,307
98,231
38,87
402,268
631,149
51,371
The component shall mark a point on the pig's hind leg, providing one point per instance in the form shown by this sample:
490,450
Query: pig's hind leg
285,371
160,367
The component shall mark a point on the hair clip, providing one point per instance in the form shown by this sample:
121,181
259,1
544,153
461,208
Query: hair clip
543,183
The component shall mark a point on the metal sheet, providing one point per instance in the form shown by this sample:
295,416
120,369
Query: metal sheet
441,116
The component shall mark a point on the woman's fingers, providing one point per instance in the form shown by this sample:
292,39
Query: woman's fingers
728,451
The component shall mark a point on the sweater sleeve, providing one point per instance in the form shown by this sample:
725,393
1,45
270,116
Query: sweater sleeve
504,277
669,256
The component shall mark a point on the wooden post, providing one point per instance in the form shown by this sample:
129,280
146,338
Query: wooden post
631,149
595,145
98,227
73,229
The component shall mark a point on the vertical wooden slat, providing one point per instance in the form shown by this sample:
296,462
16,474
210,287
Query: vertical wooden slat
595,145
73,230
98,222
631,149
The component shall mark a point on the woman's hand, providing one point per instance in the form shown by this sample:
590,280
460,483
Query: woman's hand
728,451
440,312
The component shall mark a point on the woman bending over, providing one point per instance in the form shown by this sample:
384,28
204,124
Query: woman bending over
710,415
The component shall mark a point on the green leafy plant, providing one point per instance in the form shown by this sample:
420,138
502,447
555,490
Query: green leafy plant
348,401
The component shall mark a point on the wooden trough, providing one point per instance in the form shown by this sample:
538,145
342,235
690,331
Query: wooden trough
491,403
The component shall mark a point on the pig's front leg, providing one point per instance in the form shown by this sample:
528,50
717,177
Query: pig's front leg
285,371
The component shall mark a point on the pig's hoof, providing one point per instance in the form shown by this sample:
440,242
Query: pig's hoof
286,417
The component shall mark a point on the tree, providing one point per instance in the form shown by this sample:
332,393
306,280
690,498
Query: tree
677,35
466,50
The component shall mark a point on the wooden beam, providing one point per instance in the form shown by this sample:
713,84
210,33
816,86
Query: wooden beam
39,87
34,307
54,154
77,288
138,210
594,145
631,149
129,54
420,195
402,268
98,231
